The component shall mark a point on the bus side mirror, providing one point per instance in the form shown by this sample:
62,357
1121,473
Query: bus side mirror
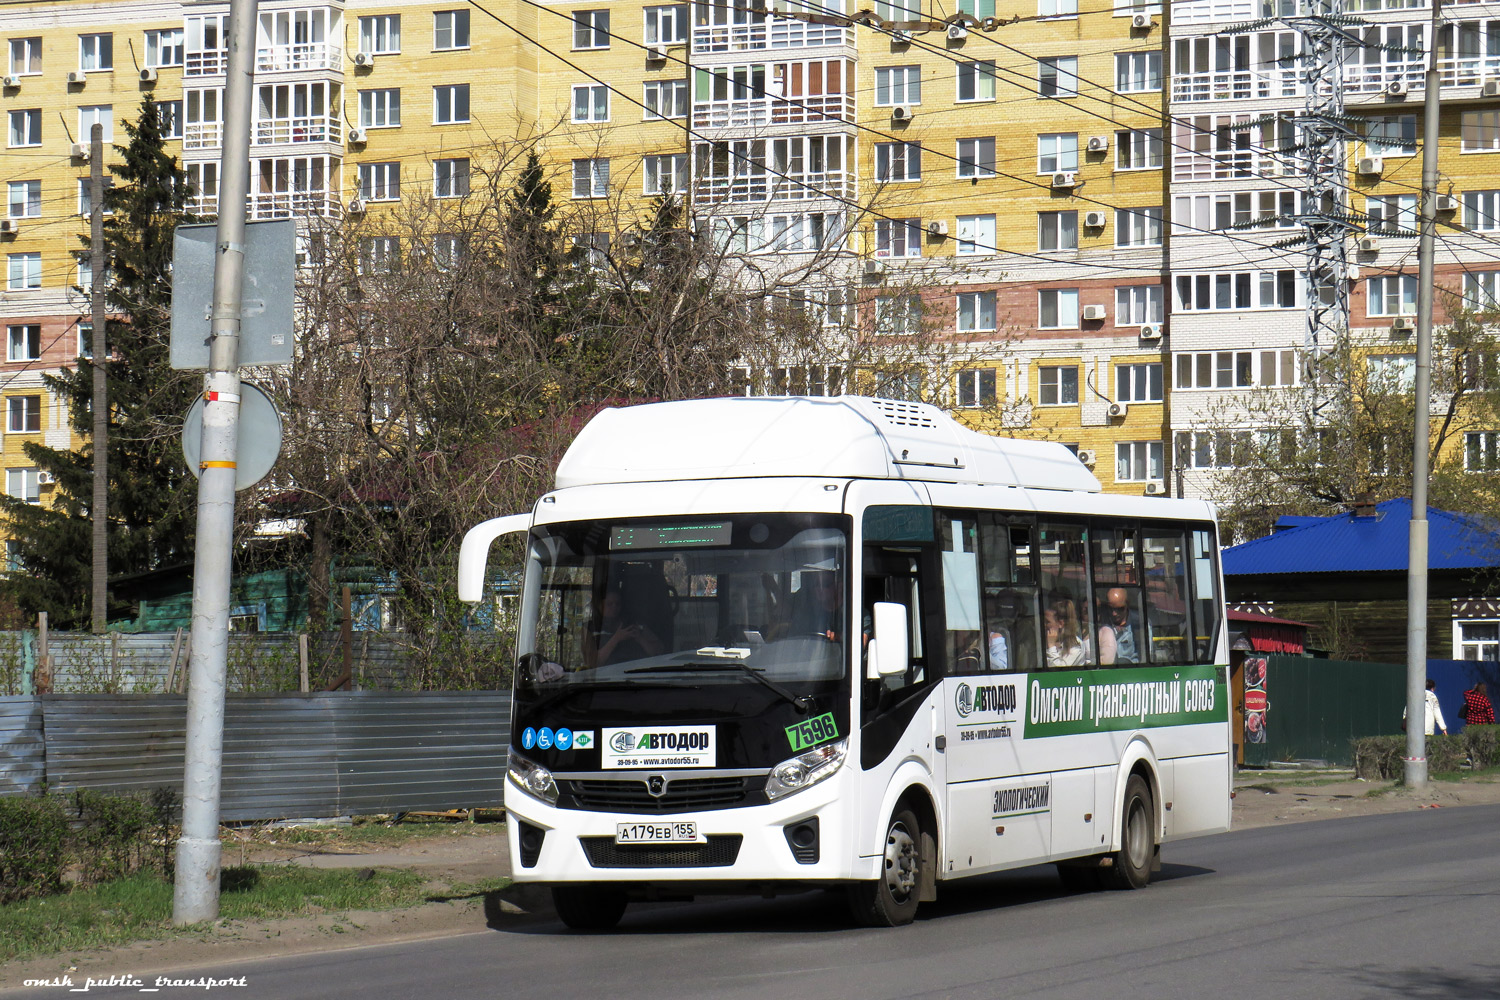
475,552
887,653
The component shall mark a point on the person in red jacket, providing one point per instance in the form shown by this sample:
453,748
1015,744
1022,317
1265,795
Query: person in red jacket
1477,708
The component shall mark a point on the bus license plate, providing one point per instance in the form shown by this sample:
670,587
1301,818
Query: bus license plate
656,833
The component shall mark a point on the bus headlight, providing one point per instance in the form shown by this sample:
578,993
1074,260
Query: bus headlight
534,779
805,770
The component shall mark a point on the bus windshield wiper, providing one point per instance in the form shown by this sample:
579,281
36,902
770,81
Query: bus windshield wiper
802,702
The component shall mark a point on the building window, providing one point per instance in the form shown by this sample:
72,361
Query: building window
450,30
1138,383
976,157
380,181
976,235
1058,385
1391,372
380,35
1138,149
1482,451
1481,289
96,52
99,114
898,85
1395,135
1137,461
1214,449
450,104
25,56
591,103
665,174
1477,640
898,238
1057,309
13,560
1480,132
26,127
664,99
1057,230
25,199
977,8
1393,215
25,272
1138,305
976,81
898,315
1057,76
1138,227
25,342
1242,290
976,388
23,484
169,114
1482,210
164,47
899,161
86,194
23,414
1392,295
379,254
1056,151
591,29
1204,212
591,178
450,178
1136,72
976,312
666,25
380,108
85,340
1057,8
1216,370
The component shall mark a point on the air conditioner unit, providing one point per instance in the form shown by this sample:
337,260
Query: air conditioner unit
1065,180
9,227
1403,324
358,136
356,206
1098,143
12,81
1371,165
901,36
1140,20
1093,220
874,269
937,227
364,59
1093,312
656,53
957,32
1396,88
1156,489
1118,409
77,76
990,23
1447,203
79,151
44,479
900,113
148,75
1150,331
1369,244
1490,88
1087,456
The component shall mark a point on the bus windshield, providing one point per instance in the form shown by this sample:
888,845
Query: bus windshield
719,601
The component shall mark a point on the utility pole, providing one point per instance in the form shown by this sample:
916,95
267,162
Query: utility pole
1415,771
196,892
99,350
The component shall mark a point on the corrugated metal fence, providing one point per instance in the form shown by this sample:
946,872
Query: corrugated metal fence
1316,707
286,755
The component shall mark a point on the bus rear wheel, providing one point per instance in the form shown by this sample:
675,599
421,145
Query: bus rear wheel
589,907
891,900
1132,862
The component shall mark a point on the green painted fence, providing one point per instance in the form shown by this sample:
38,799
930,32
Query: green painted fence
1315,707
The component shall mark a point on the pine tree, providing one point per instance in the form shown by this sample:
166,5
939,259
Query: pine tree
152,500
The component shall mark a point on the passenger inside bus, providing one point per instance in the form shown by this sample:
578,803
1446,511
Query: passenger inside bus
1066,644
1122,634
816,605
613,638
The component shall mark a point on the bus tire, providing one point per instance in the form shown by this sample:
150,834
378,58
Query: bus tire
1132,862
891,900
588,907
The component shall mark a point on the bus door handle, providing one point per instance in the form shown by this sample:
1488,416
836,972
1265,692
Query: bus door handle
941,743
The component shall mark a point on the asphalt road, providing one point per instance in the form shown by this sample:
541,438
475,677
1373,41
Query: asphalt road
1401,905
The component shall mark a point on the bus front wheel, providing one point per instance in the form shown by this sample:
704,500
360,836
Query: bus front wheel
589,907
1132,863
891,900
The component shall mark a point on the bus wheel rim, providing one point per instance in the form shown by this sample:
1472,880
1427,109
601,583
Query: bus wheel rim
900,862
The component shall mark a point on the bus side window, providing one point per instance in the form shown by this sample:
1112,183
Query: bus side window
1062,562
1122,626
963,633
1205,597
894,576
1164,563
1010,611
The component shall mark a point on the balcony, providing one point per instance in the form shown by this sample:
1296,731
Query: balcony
290,204
208,62
300,56
753,187
202,135
1241,85
316,128
1391,79
777,33
806,110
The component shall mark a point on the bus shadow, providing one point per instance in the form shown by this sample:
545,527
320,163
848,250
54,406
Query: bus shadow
815,911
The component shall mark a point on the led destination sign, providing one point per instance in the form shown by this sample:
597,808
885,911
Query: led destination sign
669,536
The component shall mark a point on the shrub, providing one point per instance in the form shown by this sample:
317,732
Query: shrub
113,834
33,846
1385,756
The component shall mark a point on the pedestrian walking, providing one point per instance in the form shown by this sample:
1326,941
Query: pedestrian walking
1477,709
1434,712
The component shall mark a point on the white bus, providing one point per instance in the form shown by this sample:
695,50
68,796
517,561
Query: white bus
774,644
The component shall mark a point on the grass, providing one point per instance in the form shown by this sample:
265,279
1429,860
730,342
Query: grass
1486,773
140,908
365,832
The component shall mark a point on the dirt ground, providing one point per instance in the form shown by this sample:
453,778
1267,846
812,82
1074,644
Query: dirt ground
1261,799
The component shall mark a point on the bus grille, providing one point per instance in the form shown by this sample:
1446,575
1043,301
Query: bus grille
630,794
720,852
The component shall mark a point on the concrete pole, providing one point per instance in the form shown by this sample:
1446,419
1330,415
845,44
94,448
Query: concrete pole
1416,552
196,893
99,349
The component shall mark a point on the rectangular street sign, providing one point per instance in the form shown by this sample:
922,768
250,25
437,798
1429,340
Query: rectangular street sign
269,296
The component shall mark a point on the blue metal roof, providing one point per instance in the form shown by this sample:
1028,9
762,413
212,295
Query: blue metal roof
1344,543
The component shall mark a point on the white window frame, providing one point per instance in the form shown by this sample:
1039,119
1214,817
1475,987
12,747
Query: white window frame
1064,303
976,388
1134,67
976,157
671,16
979,77
594,106
380,34
25,196
1059,75
451,177
96,52
677,103
898,238
1391,135
975,312
104,114
1480,132
21,413
976,235
26,56
381,108
1139,382
30,130
904,167
169,41
1057,231
445,98
898,315
1482,291
594,173
588,33
1135,301
898,85
24,484
1049,10
1054,148
1138,227
651,171
452,26
23,271
1139,149
26,336
1385,290
1137,461
1054,387
1482,210
380,181
1482,451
